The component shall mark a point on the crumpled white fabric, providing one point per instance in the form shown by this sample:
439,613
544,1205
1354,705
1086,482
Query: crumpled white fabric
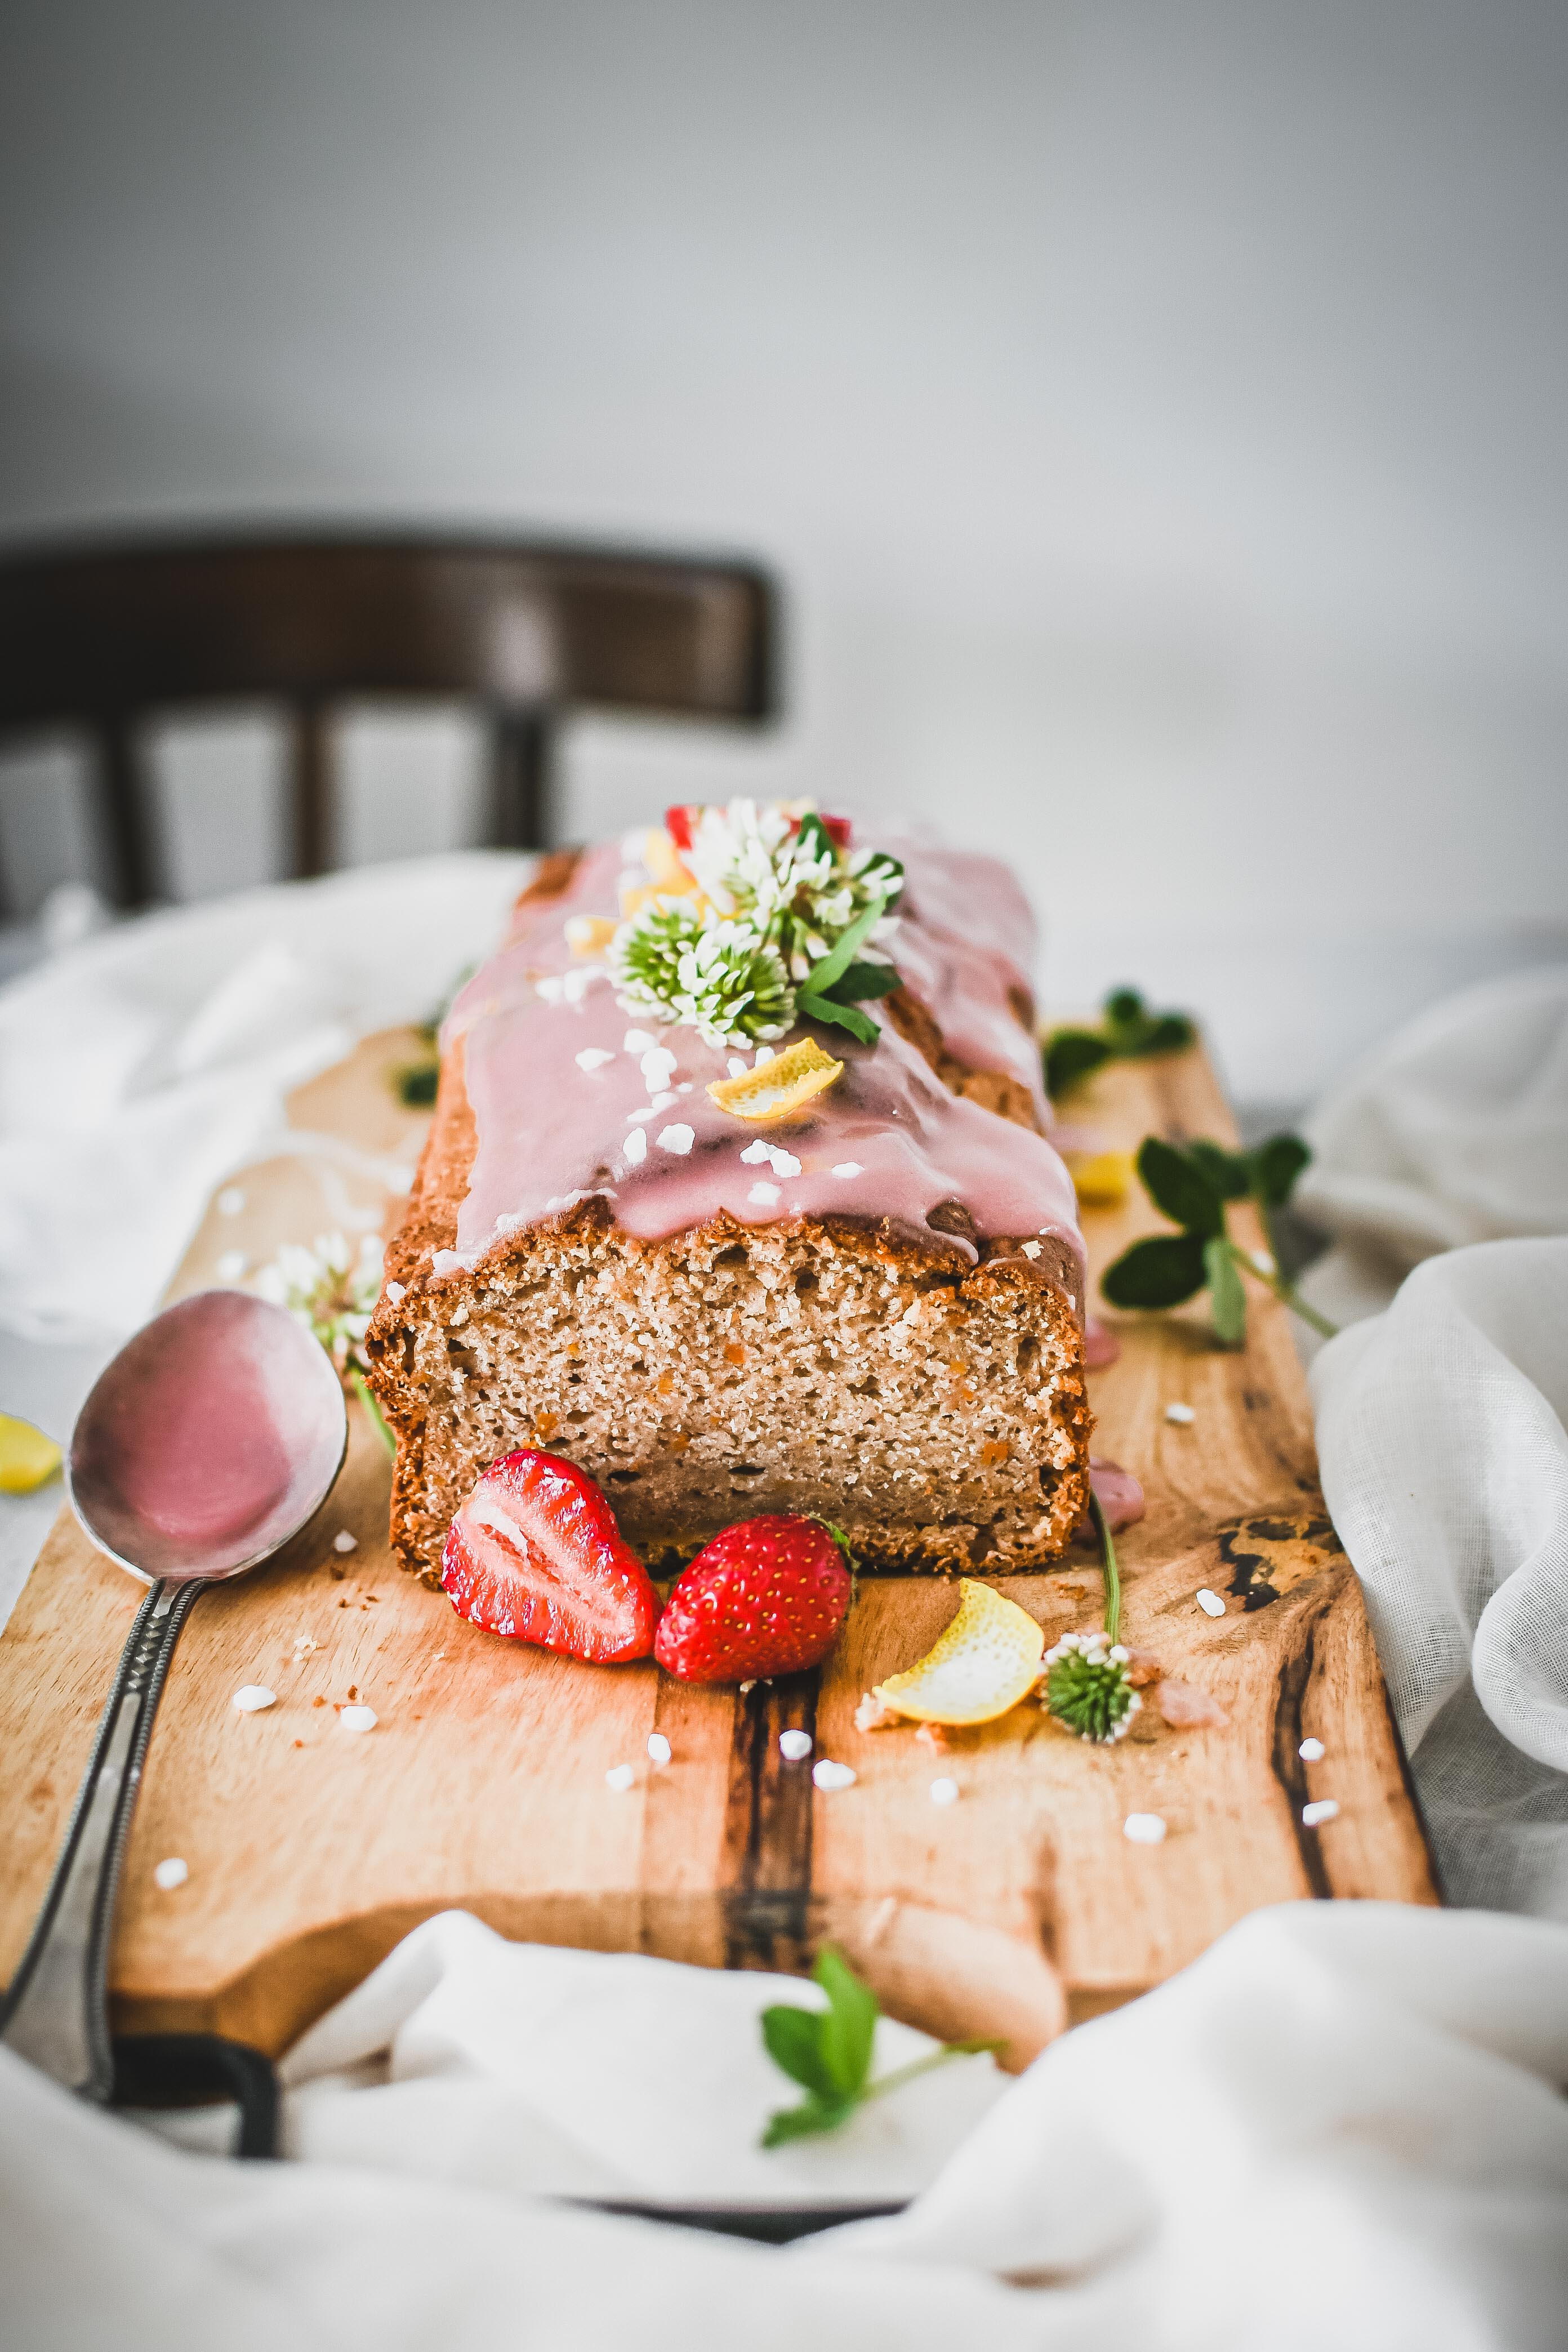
1445,1465
144,1066
1454,1132
1342,2126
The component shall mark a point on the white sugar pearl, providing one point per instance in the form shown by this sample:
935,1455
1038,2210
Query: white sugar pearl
666,1101
620,1778
757,1155
594,1057
231,1200
679,1139
396,1292
850,1168
795,1744
944,1791
343,1541
738,1068
1181,1415
828,1775
639,1041
785,1164
763,1195
658,1747
171,1874
765,1053
658,1068
254,1697
1311,1751
1325,1810
359,1719
231,1265
1143,1829
637,1147
641,1117
1210,1602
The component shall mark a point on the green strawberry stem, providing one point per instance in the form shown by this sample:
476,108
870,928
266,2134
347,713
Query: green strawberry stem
1284,1290
361,1388
1112,1573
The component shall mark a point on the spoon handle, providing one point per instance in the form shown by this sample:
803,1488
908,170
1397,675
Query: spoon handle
56,2011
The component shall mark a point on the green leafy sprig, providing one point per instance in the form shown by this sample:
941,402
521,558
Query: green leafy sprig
841,980
1129,1032
829,2053
1087,1684
1192,1183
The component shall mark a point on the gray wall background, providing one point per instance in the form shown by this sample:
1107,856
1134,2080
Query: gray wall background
1154,411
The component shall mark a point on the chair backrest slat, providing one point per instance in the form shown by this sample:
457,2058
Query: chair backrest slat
97,636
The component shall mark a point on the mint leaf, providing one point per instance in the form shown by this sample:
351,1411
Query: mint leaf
1230,1172
792,2039
1171,1033
862,981
1274,1167
1227,1297
1160,1272
1071,1056
838,1016
800,2123
841,955
813,834
1124,1009
1182,1186
849,2027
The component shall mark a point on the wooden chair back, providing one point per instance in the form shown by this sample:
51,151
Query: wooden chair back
101,638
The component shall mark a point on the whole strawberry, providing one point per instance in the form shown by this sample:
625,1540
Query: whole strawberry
533,1553
766,1597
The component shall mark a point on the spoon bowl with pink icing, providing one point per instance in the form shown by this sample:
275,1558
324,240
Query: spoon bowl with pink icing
211,1439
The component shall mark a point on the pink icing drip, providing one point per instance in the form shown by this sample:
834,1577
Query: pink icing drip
1100,1347
551,1133
1120,1494
966,938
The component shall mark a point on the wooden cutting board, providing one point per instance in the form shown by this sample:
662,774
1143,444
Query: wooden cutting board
312,1850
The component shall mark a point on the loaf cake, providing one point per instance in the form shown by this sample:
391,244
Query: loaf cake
739,1222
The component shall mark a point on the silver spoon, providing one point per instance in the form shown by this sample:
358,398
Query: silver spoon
212,1437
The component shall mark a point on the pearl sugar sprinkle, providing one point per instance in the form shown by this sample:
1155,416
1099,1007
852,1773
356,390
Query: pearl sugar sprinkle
828,1775
171,1874
1209,1602
1326,1809
658,1747
1311,1751
944,1791
795,1746
620,1778
359,1719
1144,1829
1181,1415
253,1697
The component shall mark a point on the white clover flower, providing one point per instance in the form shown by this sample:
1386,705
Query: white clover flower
330,1288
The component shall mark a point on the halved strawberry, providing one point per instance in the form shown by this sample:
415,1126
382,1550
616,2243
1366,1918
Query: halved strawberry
766,1597
534,1553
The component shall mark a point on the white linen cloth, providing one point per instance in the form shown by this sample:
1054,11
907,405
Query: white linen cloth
1454,1132
1342,2126
1444,1466
142,1068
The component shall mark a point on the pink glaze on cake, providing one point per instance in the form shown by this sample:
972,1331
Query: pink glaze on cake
551,1133
1120,1494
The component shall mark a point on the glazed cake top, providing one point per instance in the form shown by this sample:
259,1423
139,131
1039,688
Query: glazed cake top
574,1096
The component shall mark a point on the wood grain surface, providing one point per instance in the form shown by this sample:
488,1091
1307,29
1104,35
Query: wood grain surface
312,1848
